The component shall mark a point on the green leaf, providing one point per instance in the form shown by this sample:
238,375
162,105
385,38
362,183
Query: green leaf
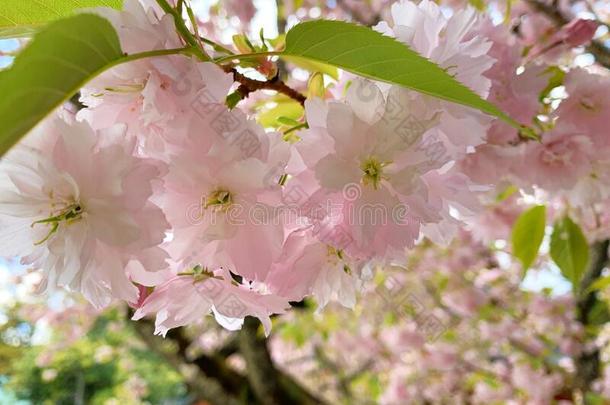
600,284
284,107
313,66
23,17
20,31
528,233
556,78
569,250
598,314
478,4
288,121
60,59
367,53
279,43
232,99
592,398
507,192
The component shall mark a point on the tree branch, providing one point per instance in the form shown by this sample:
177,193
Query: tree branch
248,85
588,363
212,380
212,366
342,382
230,347
271,386
204,388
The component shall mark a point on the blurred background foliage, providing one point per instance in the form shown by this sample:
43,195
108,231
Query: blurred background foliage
108,365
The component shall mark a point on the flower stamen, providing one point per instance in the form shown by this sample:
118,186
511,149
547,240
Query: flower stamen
373,172
71,214
220,200
199,273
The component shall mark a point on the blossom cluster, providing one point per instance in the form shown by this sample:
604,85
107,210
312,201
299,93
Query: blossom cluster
158,194
455,328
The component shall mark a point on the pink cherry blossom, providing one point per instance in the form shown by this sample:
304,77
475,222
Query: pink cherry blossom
587,105
563,156
186,299
245,11
455,44
489,163
575,33
371,165
81,211
222,189
160,99
141,26
578,32
535,27
497,221
446,41
516,94
538,386
168,195
310,267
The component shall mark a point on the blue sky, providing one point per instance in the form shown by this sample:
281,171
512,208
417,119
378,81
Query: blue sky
7,45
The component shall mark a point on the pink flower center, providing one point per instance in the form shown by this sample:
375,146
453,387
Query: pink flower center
68,215
556,156
219,200
588,103
373,172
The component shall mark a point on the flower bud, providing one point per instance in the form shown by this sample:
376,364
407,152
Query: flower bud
315,87
578,32
242,44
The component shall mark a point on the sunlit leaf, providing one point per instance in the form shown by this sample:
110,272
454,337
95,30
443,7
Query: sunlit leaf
527,235
283,107
367,53
313,66
22,17
61,58
569,250
599,284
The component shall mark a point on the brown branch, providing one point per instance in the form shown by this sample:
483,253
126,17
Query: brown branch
270,385
248,85
231,346
588,363
212,380
212,366
342,381
261,372
204,388
597,48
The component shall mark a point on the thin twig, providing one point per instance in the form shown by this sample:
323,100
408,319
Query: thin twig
251,85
